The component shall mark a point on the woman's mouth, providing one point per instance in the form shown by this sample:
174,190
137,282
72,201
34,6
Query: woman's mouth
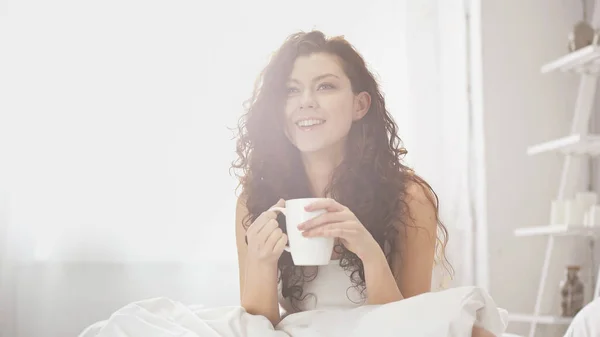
309,124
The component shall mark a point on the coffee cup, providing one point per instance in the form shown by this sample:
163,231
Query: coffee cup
313,251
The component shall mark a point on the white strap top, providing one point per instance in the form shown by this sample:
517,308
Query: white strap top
331,288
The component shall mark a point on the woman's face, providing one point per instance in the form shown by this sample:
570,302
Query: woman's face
321,105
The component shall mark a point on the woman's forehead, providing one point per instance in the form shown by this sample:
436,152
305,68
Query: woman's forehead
310,67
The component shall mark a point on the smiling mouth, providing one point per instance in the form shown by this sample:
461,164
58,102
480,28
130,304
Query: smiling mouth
309,124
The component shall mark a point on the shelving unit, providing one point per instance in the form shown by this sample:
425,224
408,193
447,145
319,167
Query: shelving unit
554,320
558,230
585,63
575,145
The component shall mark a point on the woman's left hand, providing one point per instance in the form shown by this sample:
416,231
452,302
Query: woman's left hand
341,223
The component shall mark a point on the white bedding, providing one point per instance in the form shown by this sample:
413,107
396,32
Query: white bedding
587,322
450,313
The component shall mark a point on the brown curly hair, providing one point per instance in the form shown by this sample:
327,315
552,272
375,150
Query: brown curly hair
371,181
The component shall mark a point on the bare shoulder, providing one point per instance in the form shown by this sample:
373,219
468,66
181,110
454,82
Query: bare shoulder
422,205
241,210
241,201
241,213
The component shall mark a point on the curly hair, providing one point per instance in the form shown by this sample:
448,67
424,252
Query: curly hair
371,181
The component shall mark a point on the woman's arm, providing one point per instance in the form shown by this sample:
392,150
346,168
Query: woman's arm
413,258
258,280
380,282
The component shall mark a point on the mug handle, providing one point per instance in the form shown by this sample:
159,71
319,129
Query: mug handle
282,211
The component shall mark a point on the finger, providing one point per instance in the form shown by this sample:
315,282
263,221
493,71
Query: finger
262,220
342,233
267,229
258,226
323,219
272,239
280,203
336,229
327,204
280,245
272,213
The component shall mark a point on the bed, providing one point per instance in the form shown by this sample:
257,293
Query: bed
451,313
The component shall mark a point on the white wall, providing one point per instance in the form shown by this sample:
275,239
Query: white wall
522,107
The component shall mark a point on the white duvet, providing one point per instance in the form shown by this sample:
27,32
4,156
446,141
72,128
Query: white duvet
450,313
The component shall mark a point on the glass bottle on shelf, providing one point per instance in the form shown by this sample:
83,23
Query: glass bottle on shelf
571,291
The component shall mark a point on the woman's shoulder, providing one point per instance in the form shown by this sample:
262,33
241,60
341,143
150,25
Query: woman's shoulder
421,203
241,209
242,198
417,190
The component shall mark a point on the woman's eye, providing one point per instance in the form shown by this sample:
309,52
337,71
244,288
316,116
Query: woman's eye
326,86
292,90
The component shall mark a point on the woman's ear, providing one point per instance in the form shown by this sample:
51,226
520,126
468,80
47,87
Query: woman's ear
362,103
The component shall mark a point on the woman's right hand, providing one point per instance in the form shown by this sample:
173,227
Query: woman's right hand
266,240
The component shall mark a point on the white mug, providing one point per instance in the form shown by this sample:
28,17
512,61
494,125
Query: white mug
314,251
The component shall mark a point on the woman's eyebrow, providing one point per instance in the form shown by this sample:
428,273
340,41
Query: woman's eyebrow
316,79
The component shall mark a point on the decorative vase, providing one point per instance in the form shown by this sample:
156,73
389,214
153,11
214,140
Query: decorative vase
583,35
571,292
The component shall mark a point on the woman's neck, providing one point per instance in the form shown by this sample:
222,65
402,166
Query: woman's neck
319,167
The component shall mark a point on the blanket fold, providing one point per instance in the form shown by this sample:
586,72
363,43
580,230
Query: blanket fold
450,313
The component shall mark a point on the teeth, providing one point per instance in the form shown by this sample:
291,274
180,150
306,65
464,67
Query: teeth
310,122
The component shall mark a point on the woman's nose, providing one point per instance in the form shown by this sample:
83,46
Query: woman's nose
308,101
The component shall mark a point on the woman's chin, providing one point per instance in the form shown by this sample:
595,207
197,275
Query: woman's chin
320,149
310,148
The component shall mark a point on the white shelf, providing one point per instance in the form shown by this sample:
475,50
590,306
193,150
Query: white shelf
558,230
583,61
543,319
570,145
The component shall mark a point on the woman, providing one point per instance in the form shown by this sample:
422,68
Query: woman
317,126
